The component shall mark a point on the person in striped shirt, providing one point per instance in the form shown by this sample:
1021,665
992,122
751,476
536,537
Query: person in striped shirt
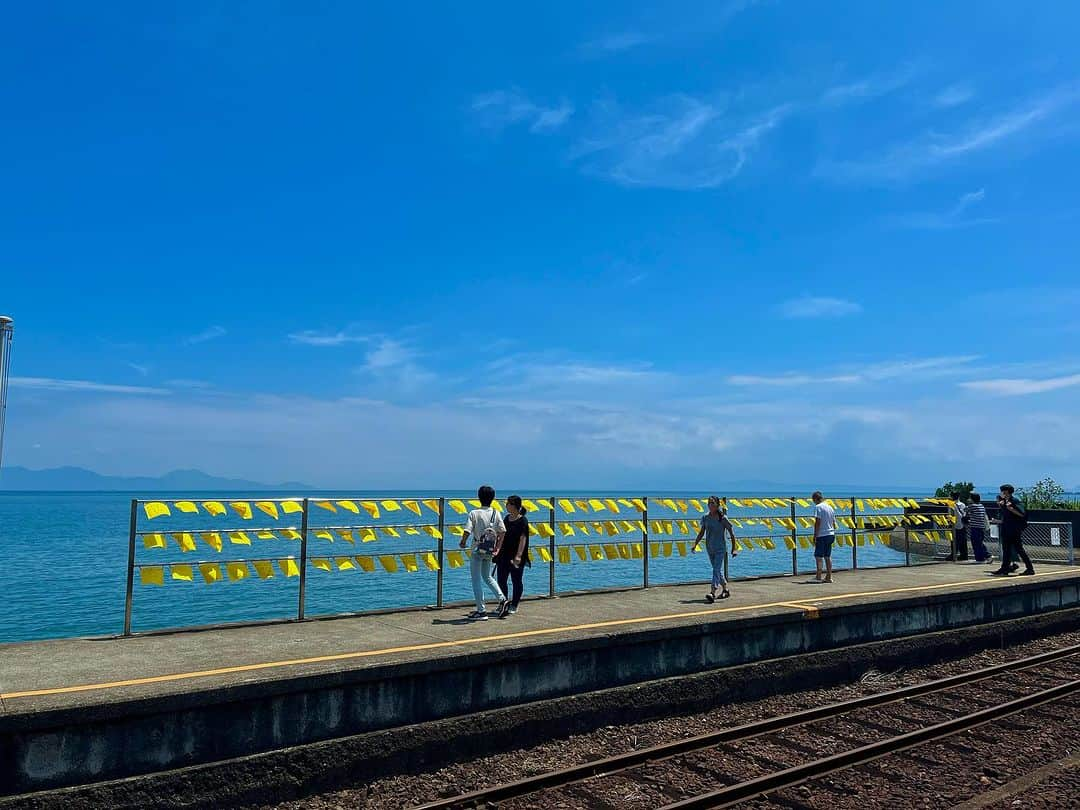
978,526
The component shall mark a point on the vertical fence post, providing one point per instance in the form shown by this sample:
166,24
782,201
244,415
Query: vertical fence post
854,537
645,542
551,548
302,598
907,545
1072,543
132,526
794,541
442,534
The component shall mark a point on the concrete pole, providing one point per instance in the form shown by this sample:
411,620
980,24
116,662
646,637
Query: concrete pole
7,329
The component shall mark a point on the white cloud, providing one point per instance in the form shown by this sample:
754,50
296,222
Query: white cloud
585,373
210,333
311,337
681,143
944,220
614,43
1011,387
954,95
395,362
49,384
914,369
868,88
142,371
922,367
790,379
500,109
810,306
933,149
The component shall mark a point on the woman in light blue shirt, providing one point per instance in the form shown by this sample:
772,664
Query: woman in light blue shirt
713,526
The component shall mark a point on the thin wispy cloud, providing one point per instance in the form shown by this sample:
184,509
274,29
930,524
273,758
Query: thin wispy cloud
954,217
868,88
933,149
613,43
141,370
911,369
313,337
681,143
500,109
82,386
210,333
954,95
392,361
1019,386
790,380
811,306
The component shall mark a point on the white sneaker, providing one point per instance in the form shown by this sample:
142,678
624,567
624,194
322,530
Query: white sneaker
512,610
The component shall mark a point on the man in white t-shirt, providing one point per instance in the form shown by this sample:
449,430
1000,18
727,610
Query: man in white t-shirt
824,535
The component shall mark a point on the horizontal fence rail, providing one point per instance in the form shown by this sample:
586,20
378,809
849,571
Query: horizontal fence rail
301,540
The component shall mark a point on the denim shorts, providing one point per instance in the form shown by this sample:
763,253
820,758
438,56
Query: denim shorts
823,545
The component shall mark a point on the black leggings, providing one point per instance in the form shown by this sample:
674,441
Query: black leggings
505,569
1012,546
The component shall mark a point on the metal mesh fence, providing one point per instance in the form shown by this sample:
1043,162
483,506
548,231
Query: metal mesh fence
1044,541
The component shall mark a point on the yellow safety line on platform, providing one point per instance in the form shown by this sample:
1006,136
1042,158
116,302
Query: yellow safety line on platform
811,611
436,645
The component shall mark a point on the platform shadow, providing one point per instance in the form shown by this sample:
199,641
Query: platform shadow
456,622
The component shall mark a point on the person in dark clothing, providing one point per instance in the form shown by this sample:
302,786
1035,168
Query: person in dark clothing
513,554
960,528
978,527
1012,522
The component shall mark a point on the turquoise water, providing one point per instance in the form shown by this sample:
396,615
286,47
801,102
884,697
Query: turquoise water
65,554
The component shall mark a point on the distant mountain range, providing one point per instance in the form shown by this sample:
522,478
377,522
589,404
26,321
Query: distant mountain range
79,479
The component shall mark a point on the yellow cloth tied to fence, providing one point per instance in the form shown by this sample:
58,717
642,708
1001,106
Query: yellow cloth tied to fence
154,540
155,510
268,508
152,575
184,540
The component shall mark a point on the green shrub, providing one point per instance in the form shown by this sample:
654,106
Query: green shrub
961,488
1045,494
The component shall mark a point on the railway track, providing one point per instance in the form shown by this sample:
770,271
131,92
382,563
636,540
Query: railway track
725,767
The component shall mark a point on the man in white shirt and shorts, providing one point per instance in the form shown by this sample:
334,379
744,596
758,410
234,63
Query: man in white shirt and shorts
824,536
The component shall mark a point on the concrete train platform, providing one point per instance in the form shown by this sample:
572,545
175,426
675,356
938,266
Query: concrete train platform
76,711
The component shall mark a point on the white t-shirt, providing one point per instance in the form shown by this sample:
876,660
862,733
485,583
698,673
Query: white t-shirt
480,519
961,510
827,520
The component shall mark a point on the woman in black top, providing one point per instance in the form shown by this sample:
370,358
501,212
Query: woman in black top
513,555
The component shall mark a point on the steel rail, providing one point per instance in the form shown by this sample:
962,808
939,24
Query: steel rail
726,796
621,762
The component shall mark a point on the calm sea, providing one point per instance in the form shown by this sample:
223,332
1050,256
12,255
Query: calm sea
62,571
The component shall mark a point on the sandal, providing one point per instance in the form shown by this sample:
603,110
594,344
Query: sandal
710,598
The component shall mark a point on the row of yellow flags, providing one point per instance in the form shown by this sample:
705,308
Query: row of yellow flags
216,540
275,509
393,563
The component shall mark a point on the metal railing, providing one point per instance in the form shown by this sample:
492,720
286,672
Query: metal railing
564,530
1044,541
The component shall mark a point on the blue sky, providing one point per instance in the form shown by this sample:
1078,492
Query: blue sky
610,244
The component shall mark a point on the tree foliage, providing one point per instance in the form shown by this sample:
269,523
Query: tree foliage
1044,494
963,489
